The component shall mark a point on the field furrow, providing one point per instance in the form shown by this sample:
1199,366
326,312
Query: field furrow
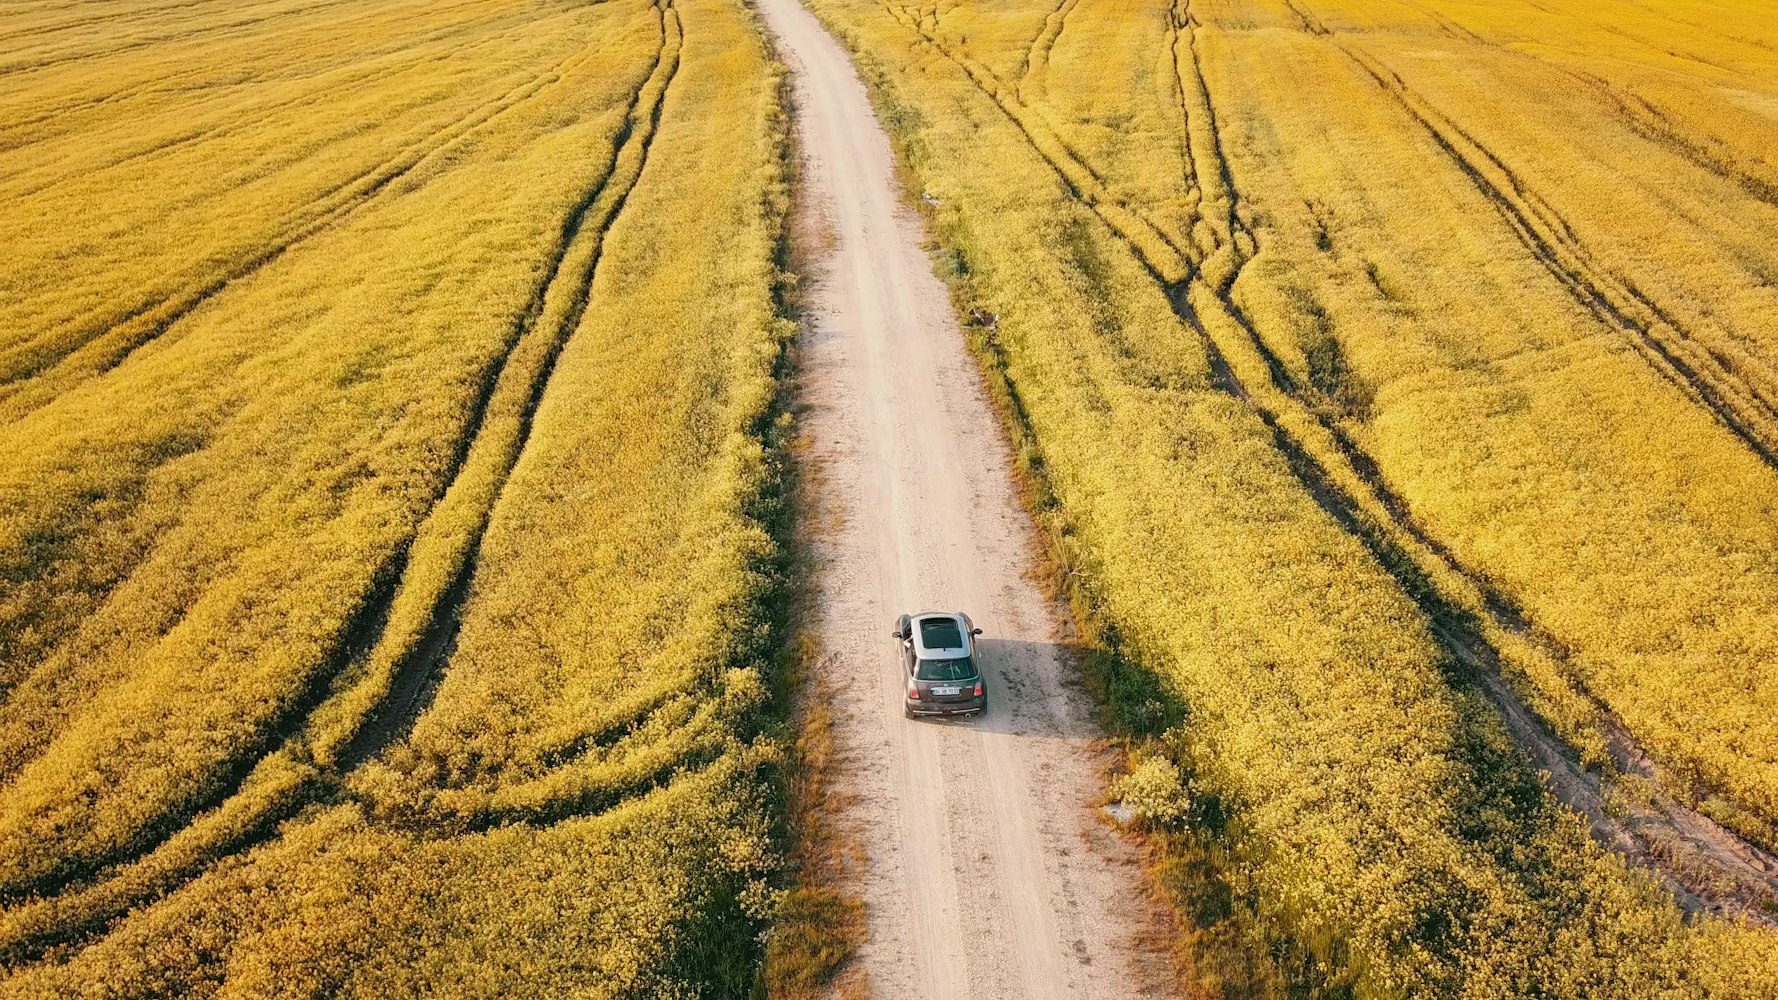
1231,243
348,643
26,62
235,196
37,30
424,612
92,348
73,103
1674,353
1169,262
1685,846
230,119
1036,61
1684,357
1709,865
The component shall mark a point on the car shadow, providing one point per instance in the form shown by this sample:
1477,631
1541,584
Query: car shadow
1035,689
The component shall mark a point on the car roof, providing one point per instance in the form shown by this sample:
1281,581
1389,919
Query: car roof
940,635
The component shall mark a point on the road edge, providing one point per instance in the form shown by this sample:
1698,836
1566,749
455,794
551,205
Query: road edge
817,925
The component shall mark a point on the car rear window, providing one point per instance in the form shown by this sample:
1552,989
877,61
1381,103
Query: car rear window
960,669
941,633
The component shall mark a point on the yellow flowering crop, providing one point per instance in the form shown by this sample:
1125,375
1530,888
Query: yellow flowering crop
1356,348
385,404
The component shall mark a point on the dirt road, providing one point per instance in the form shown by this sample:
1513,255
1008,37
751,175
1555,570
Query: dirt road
987,873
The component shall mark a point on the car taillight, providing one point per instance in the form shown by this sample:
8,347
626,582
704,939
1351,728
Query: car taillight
978,689
913,690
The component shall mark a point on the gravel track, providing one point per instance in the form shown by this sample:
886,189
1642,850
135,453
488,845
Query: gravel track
986,871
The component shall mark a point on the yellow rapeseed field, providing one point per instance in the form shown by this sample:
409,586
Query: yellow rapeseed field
390,453
386,471
1358,351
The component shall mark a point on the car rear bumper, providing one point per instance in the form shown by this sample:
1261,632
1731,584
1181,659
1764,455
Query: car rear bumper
963,706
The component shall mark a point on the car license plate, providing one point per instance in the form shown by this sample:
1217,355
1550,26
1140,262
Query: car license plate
946,690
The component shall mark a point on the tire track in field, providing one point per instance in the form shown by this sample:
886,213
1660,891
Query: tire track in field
1194,187
122,573
334,203
103,346
1631,108
1452,28
1034,74
1037,54
1665,344
942,7
359,75
29,61
1011,99
522,376
1230,230
140,13
215,130
1162,253
177,83
173,83
586,787
234,774
1665,835
75,107
1671,839
1656,126
494,439
52,60
597,771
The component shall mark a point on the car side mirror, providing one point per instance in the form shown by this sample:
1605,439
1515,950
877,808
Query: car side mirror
975,631
896,633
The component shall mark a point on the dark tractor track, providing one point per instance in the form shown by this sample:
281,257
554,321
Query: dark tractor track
1037,54
103,346
165,84
418,675
27,65
1095,199
1655,125
1651,834
239,124
1670,350
353,641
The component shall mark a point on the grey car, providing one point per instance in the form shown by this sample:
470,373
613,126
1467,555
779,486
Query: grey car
940,675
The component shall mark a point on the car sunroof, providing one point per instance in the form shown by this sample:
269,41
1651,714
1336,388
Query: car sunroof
941,633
